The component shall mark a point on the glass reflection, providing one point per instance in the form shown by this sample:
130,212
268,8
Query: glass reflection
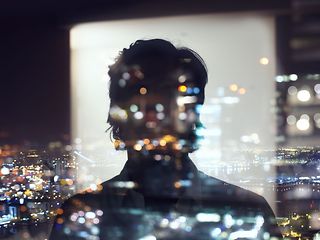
156,92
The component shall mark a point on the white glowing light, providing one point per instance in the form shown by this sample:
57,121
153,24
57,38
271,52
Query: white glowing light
160,116
186,100
242,234
68,148
148,237
174,225
252,138
240,222
215,232
56,178
228,221
266,236
248,234
280,78
133,108
292,90
291,120
74,217
138,115
208,217
305,116
182,78
122,83
99,212
303,124
95,230
255,138
90,215
264,61
304,95
245,138
93,187
230,100
182,116
81,220
159,107
5,171
182,219
316,117
293,77
164,222
126,76
118,113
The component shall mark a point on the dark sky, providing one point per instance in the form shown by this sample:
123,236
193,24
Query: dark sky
34,73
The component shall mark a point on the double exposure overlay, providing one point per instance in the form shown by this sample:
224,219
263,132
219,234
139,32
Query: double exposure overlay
182,128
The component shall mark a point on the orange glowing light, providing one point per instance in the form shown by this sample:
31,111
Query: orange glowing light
143,91
59,211
242,91
149,147
69,182
23,208
60,221
116,144
177,146
99,187
177,185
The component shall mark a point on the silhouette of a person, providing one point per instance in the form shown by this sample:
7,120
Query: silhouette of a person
156,91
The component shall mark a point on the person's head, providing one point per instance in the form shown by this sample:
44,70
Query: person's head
155,93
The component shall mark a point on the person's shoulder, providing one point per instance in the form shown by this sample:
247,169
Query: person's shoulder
90,196
229,192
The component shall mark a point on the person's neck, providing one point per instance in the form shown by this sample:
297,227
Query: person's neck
175,163
159,173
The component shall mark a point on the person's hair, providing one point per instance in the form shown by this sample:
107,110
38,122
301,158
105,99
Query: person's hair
157,65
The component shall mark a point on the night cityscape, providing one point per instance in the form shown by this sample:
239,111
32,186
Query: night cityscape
96,128
35,183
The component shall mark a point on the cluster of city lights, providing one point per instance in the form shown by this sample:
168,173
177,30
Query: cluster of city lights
213,224
236,89
305,94
304,121
302,98
81,224
297,225
286,78
33,185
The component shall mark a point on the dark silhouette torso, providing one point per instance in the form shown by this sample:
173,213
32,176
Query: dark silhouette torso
190,209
